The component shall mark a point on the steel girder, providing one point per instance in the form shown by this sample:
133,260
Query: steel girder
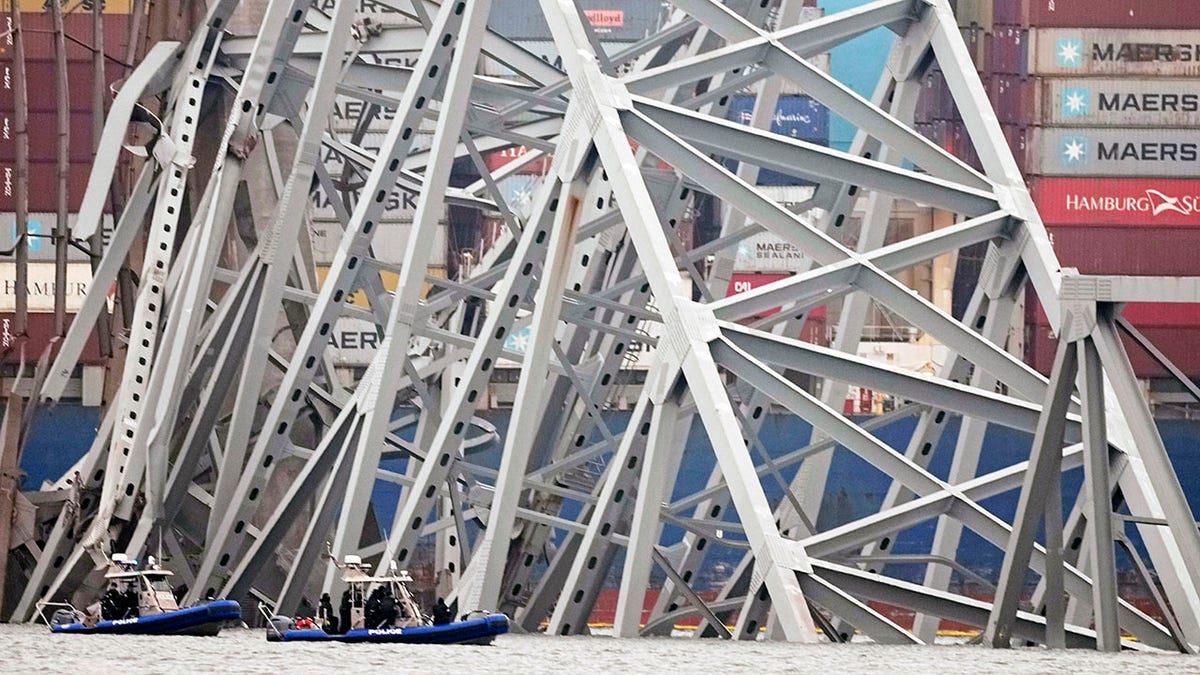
245,483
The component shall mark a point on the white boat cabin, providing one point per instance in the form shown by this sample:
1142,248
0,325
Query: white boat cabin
379,601
134,592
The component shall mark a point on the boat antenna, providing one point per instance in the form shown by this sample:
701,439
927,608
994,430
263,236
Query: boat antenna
329,554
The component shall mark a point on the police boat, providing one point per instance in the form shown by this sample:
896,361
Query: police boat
141,602
381,609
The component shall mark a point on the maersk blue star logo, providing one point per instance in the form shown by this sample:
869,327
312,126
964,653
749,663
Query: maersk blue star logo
1074,150
1075,102
518,341
34,228
1068,52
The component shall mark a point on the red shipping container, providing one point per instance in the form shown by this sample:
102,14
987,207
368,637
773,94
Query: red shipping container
40,332
1174,328
43,186
38,36
957,142
1118,201
39,75
499,158
814,326
43,138
1129,250
744,283
1162,315
1107,13
1140,314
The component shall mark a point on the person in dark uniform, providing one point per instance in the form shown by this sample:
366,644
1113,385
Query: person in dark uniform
325,613
110,604
344,612
387,610
441,613
371,611
131,601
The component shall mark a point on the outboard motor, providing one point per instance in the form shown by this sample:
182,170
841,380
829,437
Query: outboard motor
279,626
65,616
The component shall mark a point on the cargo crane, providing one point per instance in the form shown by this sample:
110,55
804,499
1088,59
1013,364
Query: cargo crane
234,444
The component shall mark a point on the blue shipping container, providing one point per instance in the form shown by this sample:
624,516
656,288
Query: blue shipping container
58,437
799,117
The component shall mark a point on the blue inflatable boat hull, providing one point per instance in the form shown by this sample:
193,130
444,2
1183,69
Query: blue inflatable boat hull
206,619
472,631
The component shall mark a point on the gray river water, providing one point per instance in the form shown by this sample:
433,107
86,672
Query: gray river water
31,649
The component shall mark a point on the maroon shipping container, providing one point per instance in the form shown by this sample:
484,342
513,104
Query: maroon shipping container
1009,51
1010,12
40,78
1178,344
952,136
39,332
1173,328
1106,13
926,102
936,103
1014,99
1017,136
43,186
1141,314
1140,251
39,36
977,43
43,138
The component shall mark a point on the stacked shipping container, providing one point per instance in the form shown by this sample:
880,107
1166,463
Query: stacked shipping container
1100,100
41,72
1118,105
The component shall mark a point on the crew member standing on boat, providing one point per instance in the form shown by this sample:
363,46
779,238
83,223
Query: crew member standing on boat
441,613
344,612
110,604
325,613
131,600
387,610
371,611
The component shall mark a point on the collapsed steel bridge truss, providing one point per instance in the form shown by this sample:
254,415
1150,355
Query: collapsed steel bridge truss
233,444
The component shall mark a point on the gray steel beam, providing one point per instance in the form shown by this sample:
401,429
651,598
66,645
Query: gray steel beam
665,446
227,536
800,158
379,388
483,580
1045,468
808,358
822,87
173,152
1099,499
809,39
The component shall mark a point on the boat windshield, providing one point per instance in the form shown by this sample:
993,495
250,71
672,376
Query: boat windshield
160,584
